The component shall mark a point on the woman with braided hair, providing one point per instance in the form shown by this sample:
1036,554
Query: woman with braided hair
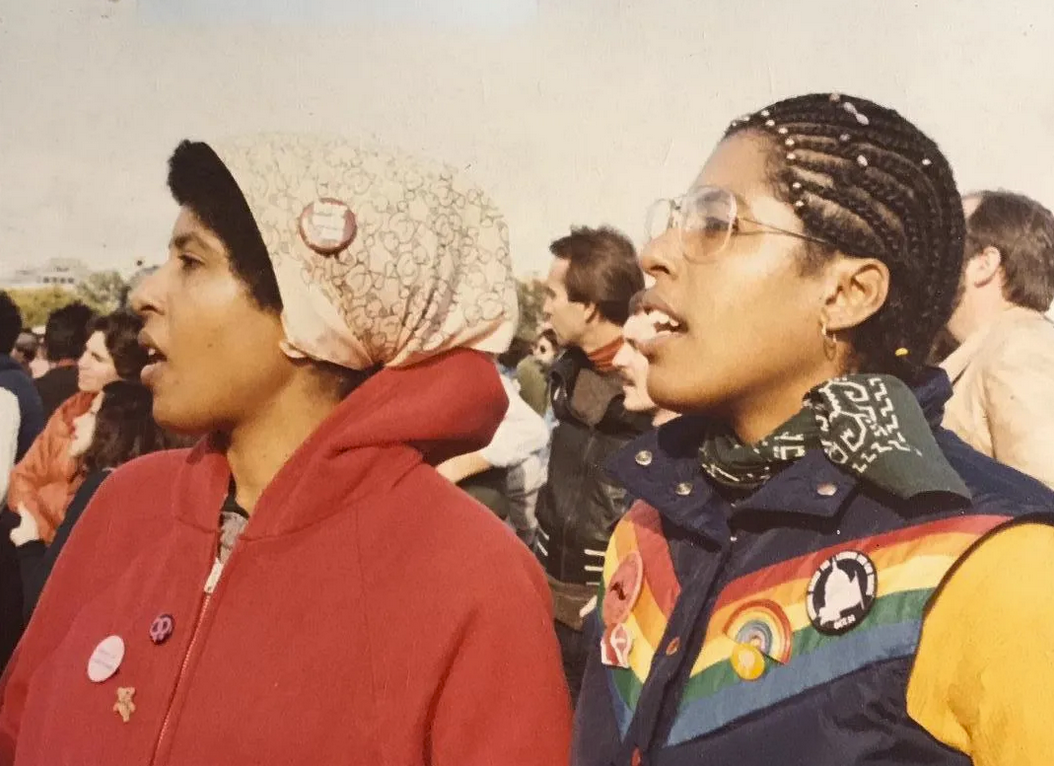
816,573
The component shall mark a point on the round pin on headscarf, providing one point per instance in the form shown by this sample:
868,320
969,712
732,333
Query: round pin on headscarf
841,592
327,225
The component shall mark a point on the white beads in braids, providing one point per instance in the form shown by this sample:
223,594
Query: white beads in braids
850,107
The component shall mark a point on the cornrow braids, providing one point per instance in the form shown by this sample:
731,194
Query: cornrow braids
868,182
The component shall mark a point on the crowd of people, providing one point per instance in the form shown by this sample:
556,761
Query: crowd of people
774,489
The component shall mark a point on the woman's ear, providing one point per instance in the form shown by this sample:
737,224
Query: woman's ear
856,289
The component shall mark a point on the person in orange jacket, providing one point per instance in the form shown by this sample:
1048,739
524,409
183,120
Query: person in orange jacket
45,480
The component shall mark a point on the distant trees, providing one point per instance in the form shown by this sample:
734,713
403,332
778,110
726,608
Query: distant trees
103,291
531,295
36,304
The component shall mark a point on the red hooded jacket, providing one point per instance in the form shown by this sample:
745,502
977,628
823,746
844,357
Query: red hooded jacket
370,612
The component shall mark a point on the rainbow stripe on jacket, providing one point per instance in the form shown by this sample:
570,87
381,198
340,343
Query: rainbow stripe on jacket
767,609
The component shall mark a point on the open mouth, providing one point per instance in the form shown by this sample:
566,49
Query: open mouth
154,358
658,325
661,320
663,324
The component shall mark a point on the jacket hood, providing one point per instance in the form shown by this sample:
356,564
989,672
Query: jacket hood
445,406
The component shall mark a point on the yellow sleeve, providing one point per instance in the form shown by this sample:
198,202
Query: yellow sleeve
983,681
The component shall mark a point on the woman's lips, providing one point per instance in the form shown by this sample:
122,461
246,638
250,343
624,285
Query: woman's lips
151,372
661,323
155,359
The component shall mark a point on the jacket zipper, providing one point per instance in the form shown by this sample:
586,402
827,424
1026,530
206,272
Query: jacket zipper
210,587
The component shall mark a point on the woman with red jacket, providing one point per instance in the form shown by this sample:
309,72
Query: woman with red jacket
45,480
118,428
302,586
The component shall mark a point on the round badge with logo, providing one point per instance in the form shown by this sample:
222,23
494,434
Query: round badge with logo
327,225
841,592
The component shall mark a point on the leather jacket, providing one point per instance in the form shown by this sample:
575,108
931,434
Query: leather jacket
580,504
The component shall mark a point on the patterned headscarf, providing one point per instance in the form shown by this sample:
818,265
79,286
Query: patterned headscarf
381,259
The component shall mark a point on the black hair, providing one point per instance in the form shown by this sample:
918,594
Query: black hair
67,331
199,180
124,428
518,350
1022,230
870,184
121,334
10,323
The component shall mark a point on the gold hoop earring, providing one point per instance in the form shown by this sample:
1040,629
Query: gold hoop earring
830,342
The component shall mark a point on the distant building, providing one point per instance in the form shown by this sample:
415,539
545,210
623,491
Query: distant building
64,273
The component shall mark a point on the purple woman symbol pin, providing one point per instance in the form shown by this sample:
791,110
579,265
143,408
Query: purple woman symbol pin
162,628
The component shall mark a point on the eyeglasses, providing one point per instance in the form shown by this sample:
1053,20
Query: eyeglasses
705,220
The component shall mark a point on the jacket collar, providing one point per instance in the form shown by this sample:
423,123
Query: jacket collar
662,469
8,362
589,396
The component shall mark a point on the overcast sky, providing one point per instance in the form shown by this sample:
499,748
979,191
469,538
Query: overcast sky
566,111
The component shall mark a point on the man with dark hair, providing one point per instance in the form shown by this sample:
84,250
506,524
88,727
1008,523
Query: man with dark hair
65,336
1003,369
593,276
13,376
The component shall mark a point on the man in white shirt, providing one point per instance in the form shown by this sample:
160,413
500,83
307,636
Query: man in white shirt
517,451
10,420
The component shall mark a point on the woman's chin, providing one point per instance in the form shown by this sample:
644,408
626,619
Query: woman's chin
178,420
675,395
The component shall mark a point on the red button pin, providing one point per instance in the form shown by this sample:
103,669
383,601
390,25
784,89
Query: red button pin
623,589
162,628
327,225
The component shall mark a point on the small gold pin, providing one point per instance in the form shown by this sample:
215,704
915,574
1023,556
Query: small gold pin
124,706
